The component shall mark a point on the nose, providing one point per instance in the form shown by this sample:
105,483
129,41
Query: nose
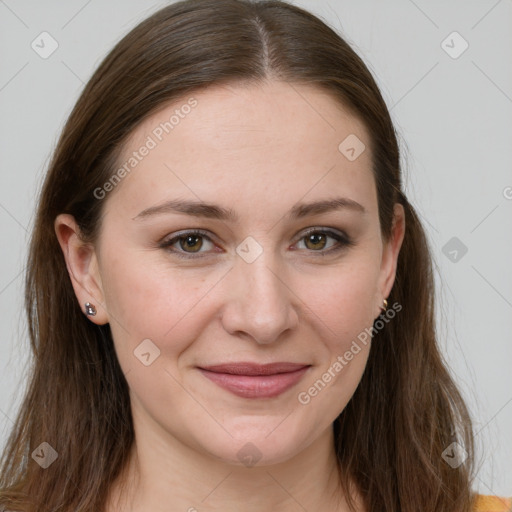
259,304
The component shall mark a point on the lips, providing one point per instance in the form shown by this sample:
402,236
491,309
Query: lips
250,380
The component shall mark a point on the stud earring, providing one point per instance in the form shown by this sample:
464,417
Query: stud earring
385,302
90,310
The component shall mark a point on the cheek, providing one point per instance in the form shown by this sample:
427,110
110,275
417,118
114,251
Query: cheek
146,300
342,298
342,304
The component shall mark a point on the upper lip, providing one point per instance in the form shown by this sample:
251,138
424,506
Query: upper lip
247,368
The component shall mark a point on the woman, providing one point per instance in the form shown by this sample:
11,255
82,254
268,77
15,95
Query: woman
230,299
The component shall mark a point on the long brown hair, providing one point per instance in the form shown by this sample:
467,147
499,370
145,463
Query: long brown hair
406,411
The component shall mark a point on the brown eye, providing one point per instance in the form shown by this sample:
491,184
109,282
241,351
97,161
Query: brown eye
188,244
192,242
316,241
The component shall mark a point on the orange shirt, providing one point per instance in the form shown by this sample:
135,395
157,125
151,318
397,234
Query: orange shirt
492,504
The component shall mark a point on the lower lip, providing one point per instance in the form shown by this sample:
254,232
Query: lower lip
256,386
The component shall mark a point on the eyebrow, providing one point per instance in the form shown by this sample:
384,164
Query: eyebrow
213,211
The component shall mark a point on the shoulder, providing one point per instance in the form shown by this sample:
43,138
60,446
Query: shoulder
484,503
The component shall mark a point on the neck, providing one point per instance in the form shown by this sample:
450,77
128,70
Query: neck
163,475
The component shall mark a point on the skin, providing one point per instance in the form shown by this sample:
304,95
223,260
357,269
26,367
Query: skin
259,150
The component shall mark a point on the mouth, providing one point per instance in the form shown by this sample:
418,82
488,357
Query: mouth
249,380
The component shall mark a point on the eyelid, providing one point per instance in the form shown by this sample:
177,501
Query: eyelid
322,229
342,239
167,242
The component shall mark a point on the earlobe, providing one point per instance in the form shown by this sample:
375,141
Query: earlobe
83,270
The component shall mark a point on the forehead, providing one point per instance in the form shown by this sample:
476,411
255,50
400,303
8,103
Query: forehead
246,143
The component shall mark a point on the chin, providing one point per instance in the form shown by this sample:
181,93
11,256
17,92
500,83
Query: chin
258,443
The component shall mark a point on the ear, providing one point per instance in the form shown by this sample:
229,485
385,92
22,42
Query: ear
390,253
82,265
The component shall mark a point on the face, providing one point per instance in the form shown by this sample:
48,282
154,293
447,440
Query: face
286,265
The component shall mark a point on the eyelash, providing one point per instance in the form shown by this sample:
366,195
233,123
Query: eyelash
343,242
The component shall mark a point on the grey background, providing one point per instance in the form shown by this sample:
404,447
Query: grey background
453,114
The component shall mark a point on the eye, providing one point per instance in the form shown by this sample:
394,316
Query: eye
317,240
187,243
